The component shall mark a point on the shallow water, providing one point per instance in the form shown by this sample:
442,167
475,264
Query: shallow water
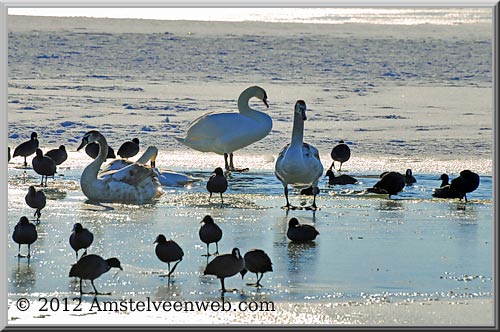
371,248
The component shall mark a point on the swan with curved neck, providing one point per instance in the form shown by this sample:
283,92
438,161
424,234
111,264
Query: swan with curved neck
134,183
166,178
298,164
224,133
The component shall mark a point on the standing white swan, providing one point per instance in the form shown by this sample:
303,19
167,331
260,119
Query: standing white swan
224,133
132,184
298,164
166,178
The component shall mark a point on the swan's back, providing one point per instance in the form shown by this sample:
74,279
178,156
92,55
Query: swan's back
134,183
227,132
116,165
150,154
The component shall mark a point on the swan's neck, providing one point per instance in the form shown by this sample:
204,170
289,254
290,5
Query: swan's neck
243,101
298,130
146,156
91,171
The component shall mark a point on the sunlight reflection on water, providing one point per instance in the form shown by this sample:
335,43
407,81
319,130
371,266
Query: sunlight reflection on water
370,249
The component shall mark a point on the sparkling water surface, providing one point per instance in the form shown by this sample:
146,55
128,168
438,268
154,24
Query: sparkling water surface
370,248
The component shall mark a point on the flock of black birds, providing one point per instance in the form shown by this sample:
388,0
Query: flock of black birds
391,183
91,266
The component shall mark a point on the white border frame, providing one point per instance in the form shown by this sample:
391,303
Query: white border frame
5,5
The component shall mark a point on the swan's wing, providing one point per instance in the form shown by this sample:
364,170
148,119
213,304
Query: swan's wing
282,152
132,174
214,125
115,165
169,178
316,166
312,150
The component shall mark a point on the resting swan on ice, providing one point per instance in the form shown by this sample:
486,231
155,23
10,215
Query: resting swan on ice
135,183
298,164
166,178
224,133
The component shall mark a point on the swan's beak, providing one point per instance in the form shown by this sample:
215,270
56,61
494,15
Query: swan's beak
265,102
84,142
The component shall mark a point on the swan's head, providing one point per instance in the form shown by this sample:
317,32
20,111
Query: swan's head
34,136
258,92
264,99
408,172
89,137
300,109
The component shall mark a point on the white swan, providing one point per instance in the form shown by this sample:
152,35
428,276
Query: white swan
224,133
166,178
134,183
298,164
